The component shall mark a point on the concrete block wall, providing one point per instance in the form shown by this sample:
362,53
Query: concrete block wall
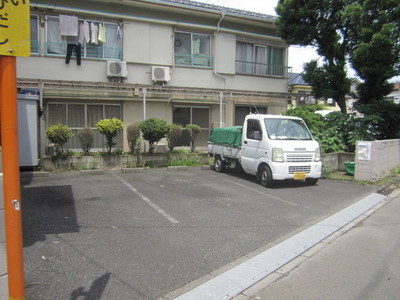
376,159
332,162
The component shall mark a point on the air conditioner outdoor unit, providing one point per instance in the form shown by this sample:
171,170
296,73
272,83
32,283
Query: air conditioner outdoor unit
160,74
116,69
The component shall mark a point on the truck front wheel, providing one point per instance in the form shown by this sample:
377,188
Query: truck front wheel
219,164
266,176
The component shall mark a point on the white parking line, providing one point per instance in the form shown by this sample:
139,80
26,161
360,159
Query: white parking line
258,192
147,200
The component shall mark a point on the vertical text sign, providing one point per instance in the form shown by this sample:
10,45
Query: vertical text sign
15,28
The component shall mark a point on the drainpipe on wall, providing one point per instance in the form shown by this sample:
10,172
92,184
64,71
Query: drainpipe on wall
41,122
221,94
144,91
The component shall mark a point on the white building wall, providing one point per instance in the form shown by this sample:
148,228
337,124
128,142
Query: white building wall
148,44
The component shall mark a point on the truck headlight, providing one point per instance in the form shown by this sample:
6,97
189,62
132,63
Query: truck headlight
317,154
277,155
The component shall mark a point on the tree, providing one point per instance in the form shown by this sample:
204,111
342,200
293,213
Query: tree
367,32
86,138
193,130
59,135
110,128
374,45
318,23
153,130
133,134
173,135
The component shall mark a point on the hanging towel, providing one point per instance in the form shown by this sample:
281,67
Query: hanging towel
84,36
95,33
102,33
119,34
68,25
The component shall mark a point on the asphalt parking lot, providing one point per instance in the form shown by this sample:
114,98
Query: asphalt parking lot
146,235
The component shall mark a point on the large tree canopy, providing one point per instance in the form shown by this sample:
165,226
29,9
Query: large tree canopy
317,23
366,32
373,45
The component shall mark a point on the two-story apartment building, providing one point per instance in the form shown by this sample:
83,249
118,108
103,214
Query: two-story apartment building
178,60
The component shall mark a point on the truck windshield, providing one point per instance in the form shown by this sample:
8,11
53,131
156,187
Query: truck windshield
287,129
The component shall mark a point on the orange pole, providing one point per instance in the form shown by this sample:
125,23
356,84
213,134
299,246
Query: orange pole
11,177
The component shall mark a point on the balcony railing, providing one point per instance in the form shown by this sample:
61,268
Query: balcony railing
261,69
197,60
87,51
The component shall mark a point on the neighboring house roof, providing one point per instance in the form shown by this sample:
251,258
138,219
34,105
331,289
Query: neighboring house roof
296,79
214,8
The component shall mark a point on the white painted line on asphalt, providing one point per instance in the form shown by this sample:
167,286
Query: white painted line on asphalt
258,192
147,200
241,277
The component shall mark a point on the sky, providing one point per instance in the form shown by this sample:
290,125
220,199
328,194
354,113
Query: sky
297,55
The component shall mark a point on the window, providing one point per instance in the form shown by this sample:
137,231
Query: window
254,131
259,59
192,49
305,98
193,115
78,115
34,34
242,111
286,129
110,49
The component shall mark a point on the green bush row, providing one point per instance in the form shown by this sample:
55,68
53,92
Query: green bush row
152,130
338,132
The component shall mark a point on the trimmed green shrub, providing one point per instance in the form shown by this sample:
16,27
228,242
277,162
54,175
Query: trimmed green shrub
133,134
173,135
110,129
58,135
153,130
193,130
86,139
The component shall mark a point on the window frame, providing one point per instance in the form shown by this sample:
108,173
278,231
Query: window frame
75,128
191,107
35,43
257,65
191,57
100,47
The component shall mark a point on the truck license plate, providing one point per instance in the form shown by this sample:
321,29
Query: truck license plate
299,175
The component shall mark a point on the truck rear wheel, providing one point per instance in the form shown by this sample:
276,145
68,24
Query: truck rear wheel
266,176
219,164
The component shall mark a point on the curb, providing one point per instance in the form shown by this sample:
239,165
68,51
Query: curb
131,170
177,168
92,172
34,174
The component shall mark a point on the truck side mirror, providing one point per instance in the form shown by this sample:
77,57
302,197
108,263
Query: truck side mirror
257,135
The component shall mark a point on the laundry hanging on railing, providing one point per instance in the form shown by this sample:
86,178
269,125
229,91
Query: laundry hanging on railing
102,33
94,37
84,33
68,25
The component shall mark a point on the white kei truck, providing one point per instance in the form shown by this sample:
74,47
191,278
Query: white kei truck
272,147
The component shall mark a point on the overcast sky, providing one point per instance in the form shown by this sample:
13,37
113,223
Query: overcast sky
297,55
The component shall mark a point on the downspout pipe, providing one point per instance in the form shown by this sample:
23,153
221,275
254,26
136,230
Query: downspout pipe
221,95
